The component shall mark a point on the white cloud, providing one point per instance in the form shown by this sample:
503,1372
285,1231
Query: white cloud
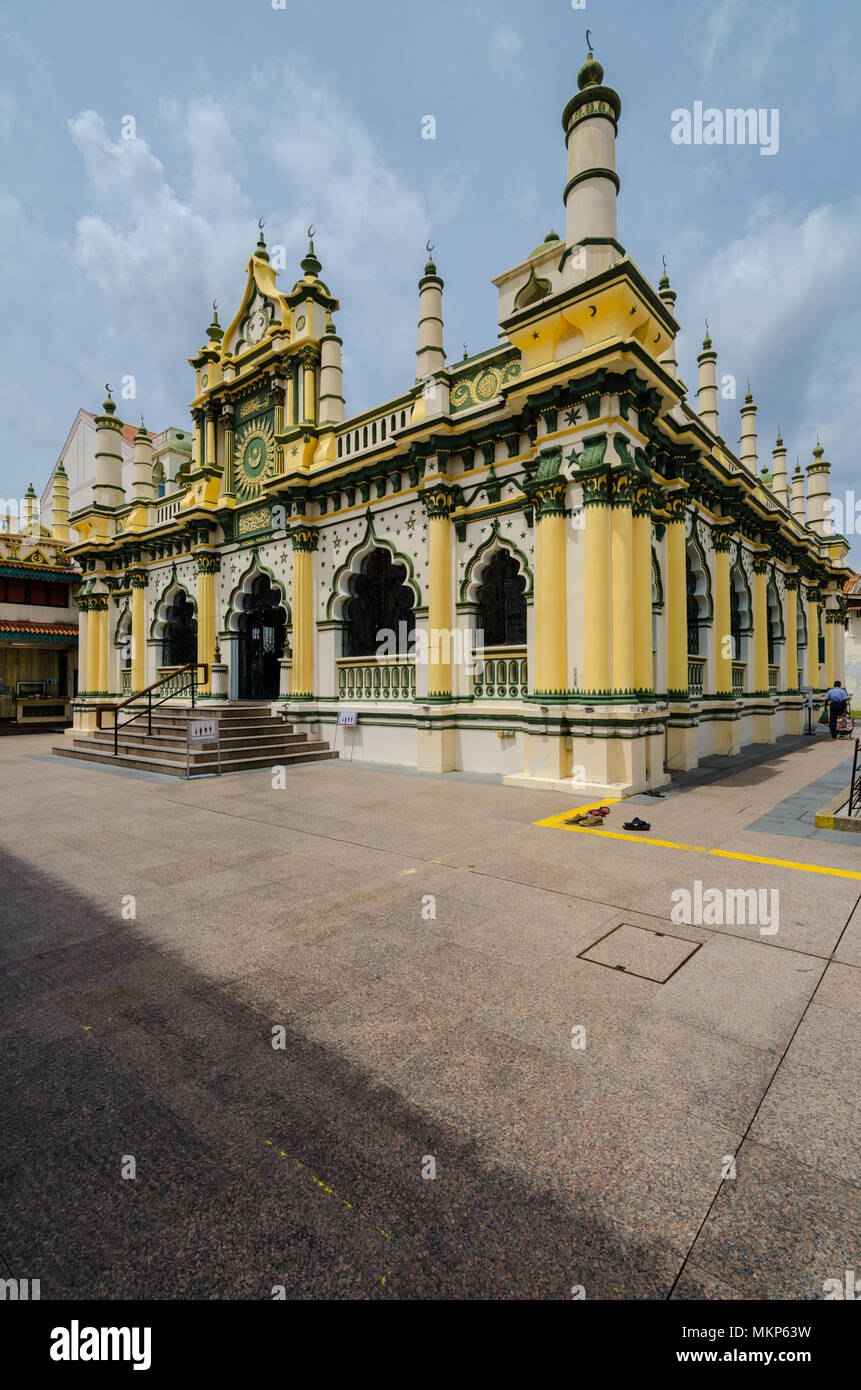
159,249
506,47
761,29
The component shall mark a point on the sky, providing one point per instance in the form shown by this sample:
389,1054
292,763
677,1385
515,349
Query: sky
112,249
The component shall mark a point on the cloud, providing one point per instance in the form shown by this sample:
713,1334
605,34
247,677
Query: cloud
506,47
764,27
159,248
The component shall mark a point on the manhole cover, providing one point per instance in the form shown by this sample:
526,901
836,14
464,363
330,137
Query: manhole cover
651,955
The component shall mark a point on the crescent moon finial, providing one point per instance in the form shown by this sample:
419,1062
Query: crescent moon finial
261,224
589,39
108,388
215,306
707,328
664,259
430,246
310,231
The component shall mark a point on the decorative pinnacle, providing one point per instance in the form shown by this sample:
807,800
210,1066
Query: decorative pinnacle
707,342
665,279
748,400
430,268
465,352
591,74
261,253
107,405
310,262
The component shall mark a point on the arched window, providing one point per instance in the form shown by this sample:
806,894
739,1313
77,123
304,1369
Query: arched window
382,429
179,640
735,624
365,437
158,479
340,447
502,602
693,610
379,601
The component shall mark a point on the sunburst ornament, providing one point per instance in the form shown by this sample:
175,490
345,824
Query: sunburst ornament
255,457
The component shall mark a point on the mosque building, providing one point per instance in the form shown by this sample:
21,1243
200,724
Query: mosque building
541,561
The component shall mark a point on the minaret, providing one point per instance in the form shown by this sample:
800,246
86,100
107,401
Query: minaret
707,405
798,494
143,487
819,493
108,488
331,408
748,433
60,505
668,295
430,355
591,124
31,510
779,485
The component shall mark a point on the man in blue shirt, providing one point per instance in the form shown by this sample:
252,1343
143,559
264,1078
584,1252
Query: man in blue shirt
835,703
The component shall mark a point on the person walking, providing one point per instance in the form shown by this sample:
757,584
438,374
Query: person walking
836,704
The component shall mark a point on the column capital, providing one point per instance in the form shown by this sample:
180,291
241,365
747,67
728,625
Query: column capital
138,579
208,563
675,505
438,503
722,539
305,538
309,356
761,564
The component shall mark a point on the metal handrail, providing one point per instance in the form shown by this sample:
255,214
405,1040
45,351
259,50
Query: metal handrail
191,683
855,784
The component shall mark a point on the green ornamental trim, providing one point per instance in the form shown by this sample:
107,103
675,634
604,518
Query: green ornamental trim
495,541
371,535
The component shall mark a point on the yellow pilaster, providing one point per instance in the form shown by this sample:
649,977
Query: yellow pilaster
138,676
438,505
791,627
760,627
831,673
644,676
622,569
198,452
228,483
83,644
677,601
596,561
309,380
92,681
723,617
305,541
207,568
812,640
210,437
103,676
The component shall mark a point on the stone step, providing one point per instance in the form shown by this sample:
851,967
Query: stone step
173,738
309,753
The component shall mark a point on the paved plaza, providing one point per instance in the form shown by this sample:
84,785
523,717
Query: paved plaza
484,1088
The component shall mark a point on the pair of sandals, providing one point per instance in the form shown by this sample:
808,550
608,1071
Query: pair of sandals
637,824
590,818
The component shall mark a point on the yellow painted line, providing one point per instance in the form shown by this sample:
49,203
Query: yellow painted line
558,823
330,1191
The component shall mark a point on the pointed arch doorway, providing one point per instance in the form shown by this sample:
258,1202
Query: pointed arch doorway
262,632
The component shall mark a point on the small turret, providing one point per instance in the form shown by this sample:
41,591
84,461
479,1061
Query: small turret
819,493
108,488
430,355
143,486
798,494
668,296
779,485
707,405
331,407
60,505
749,454
590,121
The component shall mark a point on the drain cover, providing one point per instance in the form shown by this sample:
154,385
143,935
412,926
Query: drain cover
651,955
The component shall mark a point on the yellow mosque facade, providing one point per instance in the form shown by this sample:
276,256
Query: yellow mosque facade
543,562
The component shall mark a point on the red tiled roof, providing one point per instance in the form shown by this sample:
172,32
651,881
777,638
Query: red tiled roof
40,629
129,431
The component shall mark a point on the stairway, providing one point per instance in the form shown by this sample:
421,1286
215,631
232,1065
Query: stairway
251,739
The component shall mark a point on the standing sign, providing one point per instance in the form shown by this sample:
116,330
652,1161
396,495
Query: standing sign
347,719
202,731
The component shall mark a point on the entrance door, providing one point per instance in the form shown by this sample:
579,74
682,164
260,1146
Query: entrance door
261,643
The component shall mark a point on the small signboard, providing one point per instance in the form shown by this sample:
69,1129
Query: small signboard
347,718
202,731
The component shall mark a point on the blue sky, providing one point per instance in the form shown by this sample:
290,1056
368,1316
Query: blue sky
113,249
